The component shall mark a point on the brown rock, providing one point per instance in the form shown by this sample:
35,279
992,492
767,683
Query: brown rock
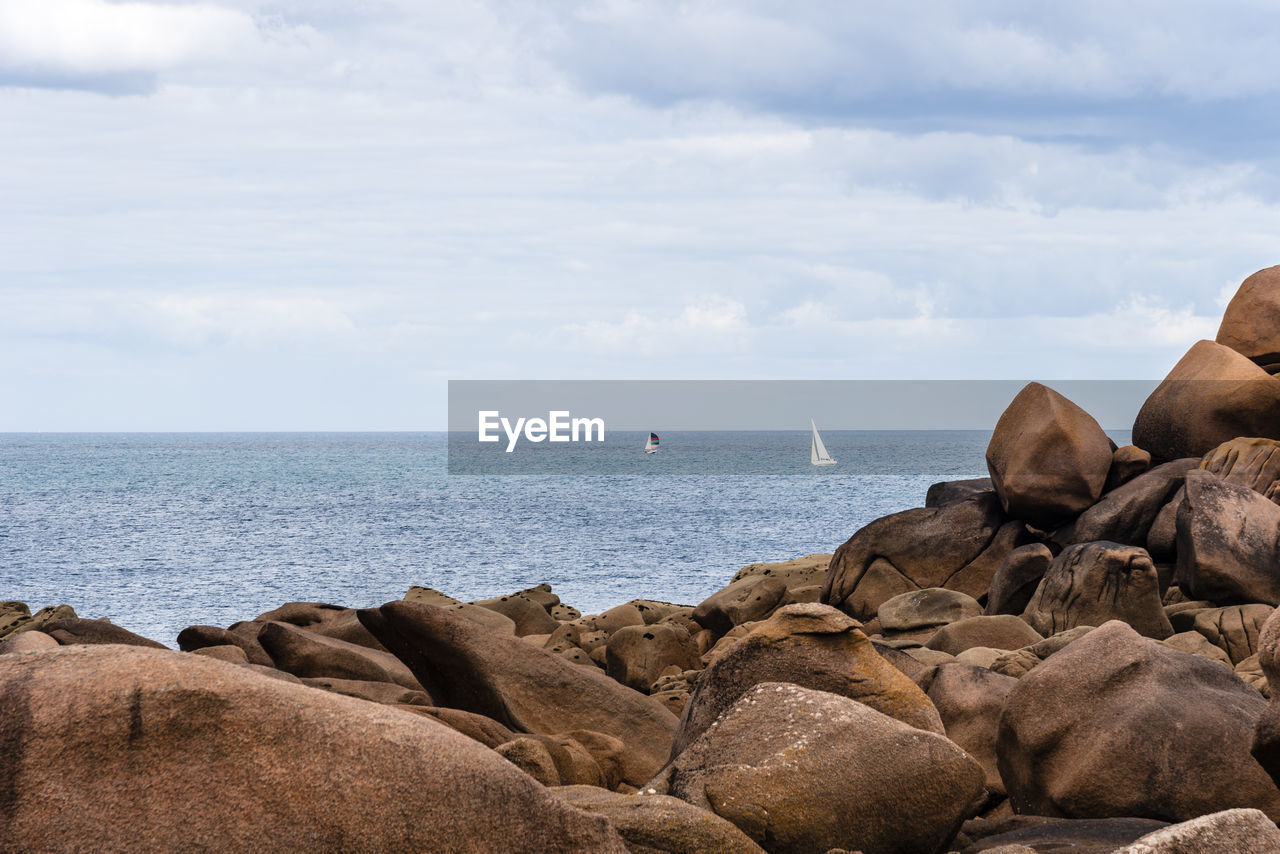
533,757
483,616
1212,395
813,646
227,652
1092,583
801,771
1127,514
931,607
1253,463
26,642
1078,836
77,631
1017,578
1251,323
1118,725
1126,463
193,638
970,701
331,621
198,754
949,491
752,598
637,655
387,693
530,617
1229,830
797,572
1250,672
479,728
1003,631
467,666
661,824
958,546
19,619
1195,643
613,619
1233,629
1048,458
1228,542
307,654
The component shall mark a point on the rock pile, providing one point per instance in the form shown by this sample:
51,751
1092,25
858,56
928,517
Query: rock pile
1076,653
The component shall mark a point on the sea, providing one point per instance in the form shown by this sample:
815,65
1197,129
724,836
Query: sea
158,531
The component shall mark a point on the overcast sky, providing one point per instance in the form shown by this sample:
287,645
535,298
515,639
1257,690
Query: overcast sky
310,214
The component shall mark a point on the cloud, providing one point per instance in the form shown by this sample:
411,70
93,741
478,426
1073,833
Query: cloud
113,47
713,324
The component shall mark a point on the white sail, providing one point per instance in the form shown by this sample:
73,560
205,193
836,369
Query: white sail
817,451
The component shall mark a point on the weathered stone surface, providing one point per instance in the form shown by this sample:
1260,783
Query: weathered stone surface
1228,542
797,572
1078,836
16,617
1196,643
1251,323
1250,671
933,606
637,655
533,757
1003,631
752,598
387,693
1266,741
814,646
1048,458
948,491
331,621
27,641
1212,395
1118,725
1016,579
130,749
958,546
1126,463
1020,661
475,613
529,616
227,652
1233,629
1230,830
613,619
467,666
1126,514
1254,463
79,631
479,728
307,654
799,770
970,701
660,824
1091,583
197,637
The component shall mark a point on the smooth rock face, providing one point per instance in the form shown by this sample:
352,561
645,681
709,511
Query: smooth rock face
1266,740
475,613
1230,830
529,616
956,490
307,654
27,641
1003,631
934,606
1126,514
197,637
79,631
467,666
814,646
1251,323
332,621
970,701
802,771
1048,458
1212,395
637,655
1234,629
1038,834
1017,578
151,750
659,823
1228,542
751,598
1126,463
1118,725
1254,463
957,546
1092,583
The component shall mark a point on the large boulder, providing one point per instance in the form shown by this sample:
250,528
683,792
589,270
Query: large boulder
1031,834
1048,458
331,621
80,631
750,598
799,770
475,613
309,655
1228,542
1266,740
1016,579
1251,323
1117,724
947,491
530,616
1126,514
464,665
958,546
1229,830
814,646
193,638
1235,629
970,701
1002,631
934,606
1091,583
637,655
660,824
115,748
1254,463
1212,395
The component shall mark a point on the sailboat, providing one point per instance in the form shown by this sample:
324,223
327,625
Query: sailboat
651,446
817,451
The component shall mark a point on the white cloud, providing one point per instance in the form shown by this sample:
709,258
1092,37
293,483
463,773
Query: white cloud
711,325
53,41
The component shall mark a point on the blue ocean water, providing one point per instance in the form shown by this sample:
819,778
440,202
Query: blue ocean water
161,531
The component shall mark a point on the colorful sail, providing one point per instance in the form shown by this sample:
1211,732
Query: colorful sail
651,445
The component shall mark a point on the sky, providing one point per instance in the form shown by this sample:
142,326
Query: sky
312,214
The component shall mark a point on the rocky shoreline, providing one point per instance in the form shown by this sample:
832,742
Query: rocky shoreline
1072,654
